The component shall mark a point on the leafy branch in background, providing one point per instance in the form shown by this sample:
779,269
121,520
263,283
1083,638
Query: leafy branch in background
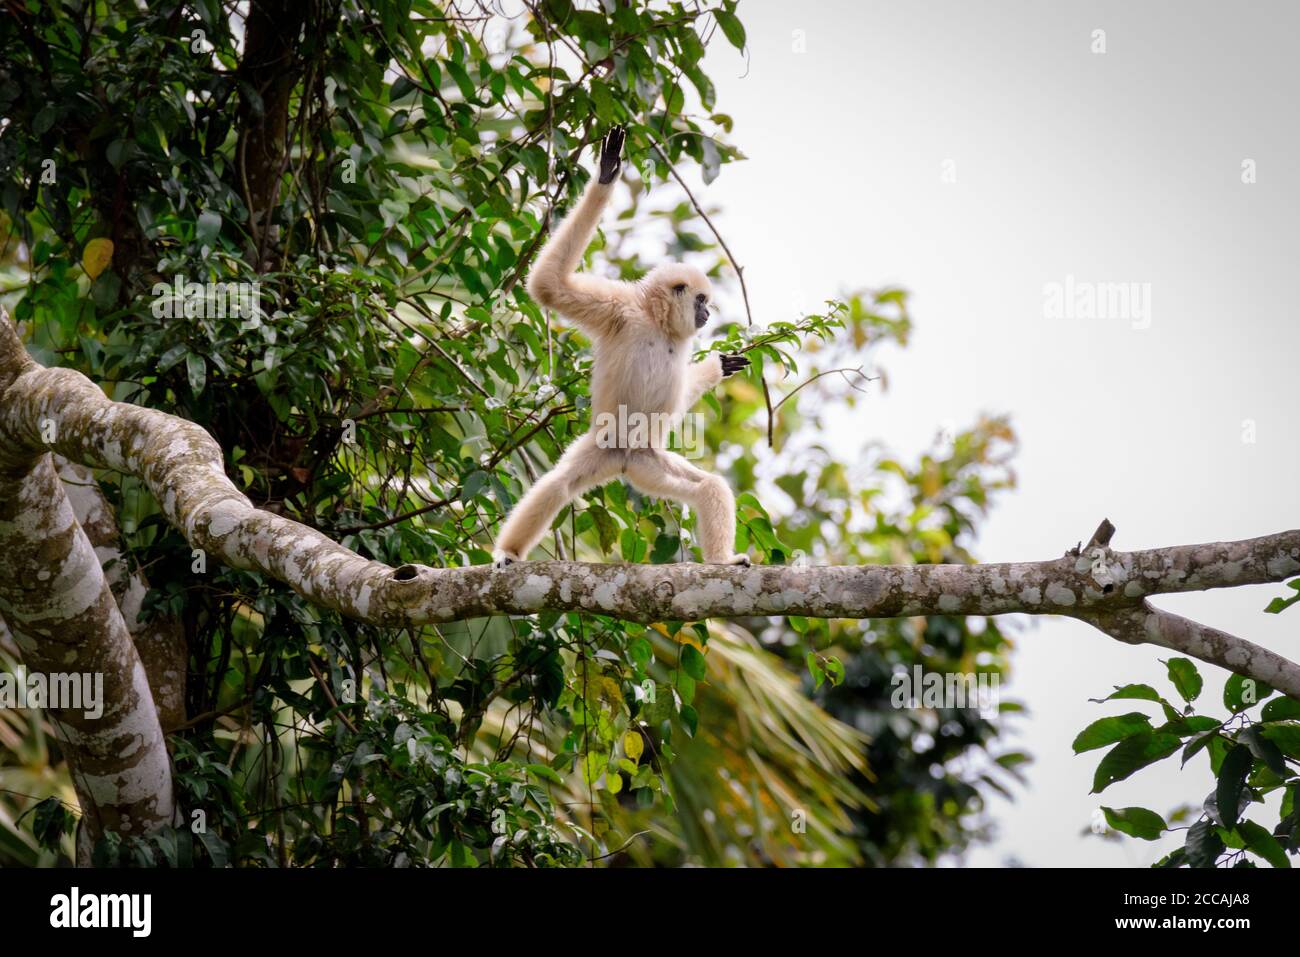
1280,604
1253,759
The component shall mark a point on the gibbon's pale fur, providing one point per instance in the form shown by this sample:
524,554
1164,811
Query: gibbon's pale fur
641,336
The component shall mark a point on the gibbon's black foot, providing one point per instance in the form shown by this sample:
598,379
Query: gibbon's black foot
733,364
611,149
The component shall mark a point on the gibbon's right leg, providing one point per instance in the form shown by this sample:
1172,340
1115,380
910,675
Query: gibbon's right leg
668,475
583,465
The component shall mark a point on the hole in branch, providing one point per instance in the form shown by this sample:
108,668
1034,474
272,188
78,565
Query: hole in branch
405,573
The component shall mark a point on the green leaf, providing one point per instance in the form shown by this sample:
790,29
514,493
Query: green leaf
196,371
463,82
1190,725
1131,755
1232,778
1279,709
44,118
105,289
661,707
1241,693
1259,840
732,28
1139,692
666,549
603,101
711,164
209,227
685,686
1286,735
1186,679
1278,605
172,356
815,669
217,849
1203,844
693,662
1109,730
592,765
544,772
1136,822
1196,744
50,822
690,719
1231,838
474,483
606,528
401,86
1264,750
632,546
641,652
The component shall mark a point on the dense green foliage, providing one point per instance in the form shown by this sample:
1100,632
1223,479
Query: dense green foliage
386,176
1253,753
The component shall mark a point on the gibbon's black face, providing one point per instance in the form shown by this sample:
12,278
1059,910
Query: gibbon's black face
701,305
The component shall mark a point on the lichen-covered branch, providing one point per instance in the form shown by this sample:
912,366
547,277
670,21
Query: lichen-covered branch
65,621
159,639
1145,624
61,410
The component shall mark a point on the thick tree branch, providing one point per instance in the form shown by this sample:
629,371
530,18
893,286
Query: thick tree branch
1148,625
183,467
65,621
159,640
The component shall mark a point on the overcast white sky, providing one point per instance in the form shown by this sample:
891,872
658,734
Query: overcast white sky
1116,167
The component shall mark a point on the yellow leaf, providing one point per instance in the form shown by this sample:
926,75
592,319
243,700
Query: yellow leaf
633,746
742,391
602,688
96,256
930,482
613,781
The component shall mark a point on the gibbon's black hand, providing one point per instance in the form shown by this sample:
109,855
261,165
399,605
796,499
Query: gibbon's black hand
733,364
610,150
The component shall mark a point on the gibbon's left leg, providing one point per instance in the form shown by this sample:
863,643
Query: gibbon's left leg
668,475
583,465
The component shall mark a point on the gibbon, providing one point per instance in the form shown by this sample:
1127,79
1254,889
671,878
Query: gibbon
641,336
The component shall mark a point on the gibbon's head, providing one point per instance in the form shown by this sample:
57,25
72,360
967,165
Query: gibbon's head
676,297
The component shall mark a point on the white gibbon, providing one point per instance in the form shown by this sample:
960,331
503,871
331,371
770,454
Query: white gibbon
641,336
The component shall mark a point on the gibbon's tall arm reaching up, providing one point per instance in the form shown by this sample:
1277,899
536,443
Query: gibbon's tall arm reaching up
594,304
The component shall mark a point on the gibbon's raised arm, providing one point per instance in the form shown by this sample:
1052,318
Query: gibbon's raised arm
594,304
